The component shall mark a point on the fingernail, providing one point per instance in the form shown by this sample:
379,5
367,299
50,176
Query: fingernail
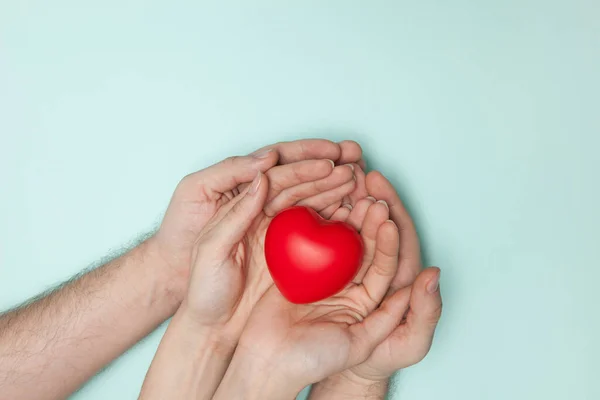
373,199
263,154
384,203
391,222
348,206
434,283
332,163
255,183
351,167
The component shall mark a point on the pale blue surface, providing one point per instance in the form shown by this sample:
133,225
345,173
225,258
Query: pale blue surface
485,114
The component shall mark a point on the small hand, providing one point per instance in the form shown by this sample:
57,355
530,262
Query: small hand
312,341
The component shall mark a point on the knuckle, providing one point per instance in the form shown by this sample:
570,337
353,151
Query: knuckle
293,197
188,179
231,160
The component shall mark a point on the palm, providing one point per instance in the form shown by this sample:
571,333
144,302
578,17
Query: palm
227,293
196,201
319,334
329,336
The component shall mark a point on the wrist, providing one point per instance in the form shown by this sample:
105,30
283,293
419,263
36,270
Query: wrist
252,377
205,338
172,284
347,386
190,362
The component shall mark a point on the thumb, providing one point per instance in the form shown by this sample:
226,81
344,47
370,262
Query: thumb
233,225
425,311
232,172
378,325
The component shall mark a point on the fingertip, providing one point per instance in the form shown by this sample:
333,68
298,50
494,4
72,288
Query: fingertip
433,283
351,151
325,165
388,233
362,164
378,212
255,183
343,173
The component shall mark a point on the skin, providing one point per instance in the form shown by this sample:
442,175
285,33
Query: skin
104,312
334,341
298,344
228,277
411,339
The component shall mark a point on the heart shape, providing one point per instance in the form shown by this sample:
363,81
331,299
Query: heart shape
309,257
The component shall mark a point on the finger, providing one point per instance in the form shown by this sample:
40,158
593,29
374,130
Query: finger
415,337
351,152
410,254
378,277
425,303
377,326
342,213
323,200
363,164
359,212
290,175
306,149
360,192
305,189
234,224
377,214
328,211
231,172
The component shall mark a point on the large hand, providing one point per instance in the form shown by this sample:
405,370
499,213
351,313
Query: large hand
411,340
306,343
302,175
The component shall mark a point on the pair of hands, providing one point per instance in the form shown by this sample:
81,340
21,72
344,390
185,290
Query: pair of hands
212,236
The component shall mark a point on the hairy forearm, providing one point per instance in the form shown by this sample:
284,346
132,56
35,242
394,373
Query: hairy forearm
51,346
190,362
348,387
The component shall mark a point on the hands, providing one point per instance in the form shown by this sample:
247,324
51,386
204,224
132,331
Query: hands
223,242
350,339
411,340
307,343
302,175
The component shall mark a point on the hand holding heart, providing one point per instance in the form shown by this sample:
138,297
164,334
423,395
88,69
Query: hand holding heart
308,342
212,237
228,272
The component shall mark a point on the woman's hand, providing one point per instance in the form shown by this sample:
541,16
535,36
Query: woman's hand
228,273
302,344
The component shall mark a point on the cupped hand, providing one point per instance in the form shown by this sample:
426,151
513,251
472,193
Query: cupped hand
298,171
229,272
309,342
410,342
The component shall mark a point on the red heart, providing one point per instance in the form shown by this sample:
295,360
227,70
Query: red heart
311,258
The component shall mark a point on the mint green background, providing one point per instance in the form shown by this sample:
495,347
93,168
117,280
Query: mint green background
484,114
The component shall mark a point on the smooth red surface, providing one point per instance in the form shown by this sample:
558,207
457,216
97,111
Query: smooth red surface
309,257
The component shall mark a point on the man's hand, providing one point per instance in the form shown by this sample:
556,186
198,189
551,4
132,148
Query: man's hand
306,343
411,340
107,310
